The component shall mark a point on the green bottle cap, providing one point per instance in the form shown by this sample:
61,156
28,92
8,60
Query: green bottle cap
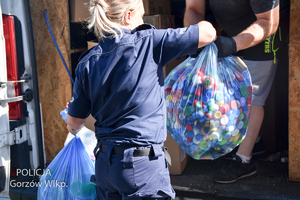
243,91
203,144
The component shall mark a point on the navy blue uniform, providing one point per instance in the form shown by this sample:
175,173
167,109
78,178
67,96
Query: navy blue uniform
121,83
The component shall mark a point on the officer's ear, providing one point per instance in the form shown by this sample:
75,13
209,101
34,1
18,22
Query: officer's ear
128,18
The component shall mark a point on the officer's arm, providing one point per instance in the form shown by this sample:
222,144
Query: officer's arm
194,12
74,124
265,25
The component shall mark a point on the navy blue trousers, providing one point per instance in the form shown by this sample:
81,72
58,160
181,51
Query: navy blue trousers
132,178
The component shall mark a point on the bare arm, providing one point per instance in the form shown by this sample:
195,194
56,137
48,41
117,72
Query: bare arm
194,12
265,25
74,124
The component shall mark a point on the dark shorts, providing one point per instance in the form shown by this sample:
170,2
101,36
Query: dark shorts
127,177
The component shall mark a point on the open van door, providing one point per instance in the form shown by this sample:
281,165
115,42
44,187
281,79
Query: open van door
4,121
21,133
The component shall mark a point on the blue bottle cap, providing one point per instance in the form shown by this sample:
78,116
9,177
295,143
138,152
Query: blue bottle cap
176,131
205,99
208,93
231,116
247,82
171,105
183,102
233,122
245,110
243,131
229,123
246,74
185,92
194,147
242,101
180,85
190,120
237,95
191,89
236,112
190,134
199,137
227,135
194,115
202,119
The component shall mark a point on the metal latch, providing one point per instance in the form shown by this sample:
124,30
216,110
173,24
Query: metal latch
27,96
24,79
11,99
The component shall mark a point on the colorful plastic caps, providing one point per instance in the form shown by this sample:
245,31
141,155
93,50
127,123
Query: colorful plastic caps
208,105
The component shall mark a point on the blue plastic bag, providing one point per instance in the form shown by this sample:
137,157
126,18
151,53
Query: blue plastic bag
208,104
68,175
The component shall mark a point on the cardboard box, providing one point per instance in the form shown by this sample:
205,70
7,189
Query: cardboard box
179,158
153,7
160,21
92,43
79,10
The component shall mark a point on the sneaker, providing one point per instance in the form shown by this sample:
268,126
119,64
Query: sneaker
234,170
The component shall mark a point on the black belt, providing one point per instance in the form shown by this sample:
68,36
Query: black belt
136,153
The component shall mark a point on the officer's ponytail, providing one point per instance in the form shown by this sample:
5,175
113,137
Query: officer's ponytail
107,16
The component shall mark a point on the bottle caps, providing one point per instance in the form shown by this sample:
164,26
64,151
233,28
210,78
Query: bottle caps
224,119
217,114
233,104
208,108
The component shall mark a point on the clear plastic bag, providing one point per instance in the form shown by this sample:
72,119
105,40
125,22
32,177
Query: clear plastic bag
208,104
68,175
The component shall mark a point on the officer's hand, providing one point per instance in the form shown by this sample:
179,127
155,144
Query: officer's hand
226,46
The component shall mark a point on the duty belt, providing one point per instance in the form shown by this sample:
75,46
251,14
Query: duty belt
137,152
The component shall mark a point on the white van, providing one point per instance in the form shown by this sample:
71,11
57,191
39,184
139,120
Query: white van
21,133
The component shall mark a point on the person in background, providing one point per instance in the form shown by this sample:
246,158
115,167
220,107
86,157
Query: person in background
249,27
120,82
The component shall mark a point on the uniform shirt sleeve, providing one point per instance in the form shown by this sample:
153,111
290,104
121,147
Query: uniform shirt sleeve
174,43
260,6
80,105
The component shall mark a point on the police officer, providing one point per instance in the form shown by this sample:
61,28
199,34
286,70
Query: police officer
120,82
